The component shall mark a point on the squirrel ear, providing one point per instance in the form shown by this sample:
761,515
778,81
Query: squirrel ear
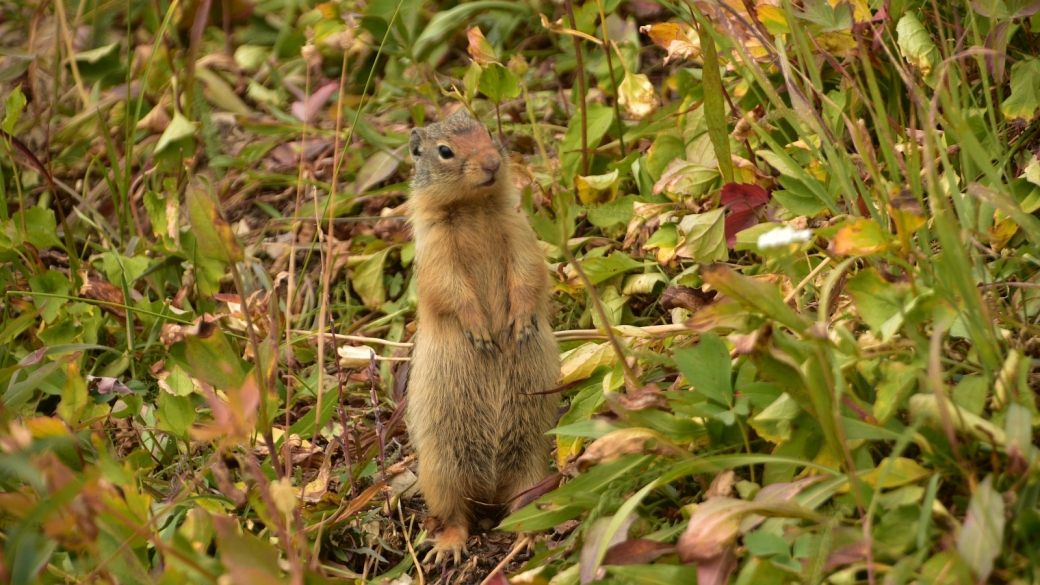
415,140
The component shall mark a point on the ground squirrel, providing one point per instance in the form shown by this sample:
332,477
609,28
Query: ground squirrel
484,348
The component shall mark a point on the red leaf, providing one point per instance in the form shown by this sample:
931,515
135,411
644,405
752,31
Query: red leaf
736,222
636,552
741,196
743,201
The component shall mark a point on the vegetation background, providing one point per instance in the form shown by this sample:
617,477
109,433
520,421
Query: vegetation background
794,250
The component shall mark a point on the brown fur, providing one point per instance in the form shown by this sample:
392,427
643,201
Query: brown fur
484,343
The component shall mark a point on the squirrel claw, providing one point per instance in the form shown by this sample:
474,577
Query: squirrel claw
483,342
452,541
524,331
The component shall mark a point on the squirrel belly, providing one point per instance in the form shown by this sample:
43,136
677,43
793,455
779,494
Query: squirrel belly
484,350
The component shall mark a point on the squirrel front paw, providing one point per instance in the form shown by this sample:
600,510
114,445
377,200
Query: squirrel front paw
523,327
478,333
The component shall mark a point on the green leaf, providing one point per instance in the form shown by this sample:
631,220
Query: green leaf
215,239
714,103
367,280
15,103
448,21
776,421
600,118
53,283
212,358
1025,90
797,198
880,303
174,414
600,269
378,168
896,383
117,268
707,367
755,294
498,83
666,148
611,213
564,504
654,574
916,43
73,396
178,136
41,227
704,236
830,17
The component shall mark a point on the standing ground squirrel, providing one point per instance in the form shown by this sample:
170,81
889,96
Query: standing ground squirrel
484,348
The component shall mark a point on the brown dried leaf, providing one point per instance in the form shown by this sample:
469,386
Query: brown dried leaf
680,43
621,442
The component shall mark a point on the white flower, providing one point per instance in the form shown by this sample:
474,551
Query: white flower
783,236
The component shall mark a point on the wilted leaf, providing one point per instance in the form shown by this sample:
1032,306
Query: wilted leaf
637,95
597,188
982,536
377,169
636,552
355,356
306,110
629,441
479,48
680,43
926,406
714,526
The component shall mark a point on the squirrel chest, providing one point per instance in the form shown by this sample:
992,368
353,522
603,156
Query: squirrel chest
484,353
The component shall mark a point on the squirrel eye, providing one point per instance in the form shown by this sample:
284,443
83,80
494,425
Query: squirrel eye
445,152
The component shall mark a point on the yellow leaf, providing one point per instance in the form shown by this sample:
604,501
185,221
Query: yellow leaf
900,472
578,363
636,95
597,188
859,238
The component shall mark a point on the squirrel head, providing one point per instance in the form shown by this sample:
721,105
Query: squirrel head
458,159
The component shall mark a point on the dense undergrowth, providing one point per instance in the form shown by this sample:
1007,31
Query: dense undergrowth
809,225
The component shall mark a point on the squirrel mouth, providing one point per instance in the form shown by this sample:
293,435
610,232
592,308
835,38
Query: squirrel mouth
489,182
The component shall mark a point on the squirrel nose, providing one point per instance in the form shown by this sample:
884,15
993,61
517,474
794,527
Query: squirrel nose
491,165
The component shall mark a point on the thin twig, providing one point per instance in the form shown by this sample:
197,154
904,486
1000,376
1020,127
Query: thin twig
581,90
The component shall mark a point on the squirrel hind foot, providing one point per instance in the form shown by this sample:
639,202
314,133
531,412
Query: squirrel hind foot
452,540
